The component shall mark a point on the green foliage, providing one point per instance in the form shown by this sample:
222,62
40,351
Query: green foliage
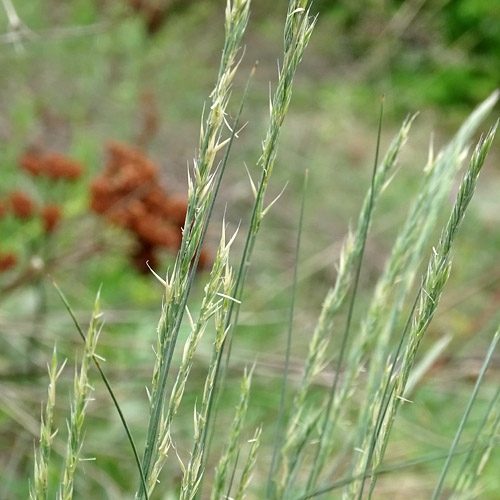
452,46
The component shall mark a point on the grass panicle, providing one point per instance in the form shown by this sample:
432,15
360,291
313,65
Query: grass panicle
438,271
382,319
298,29
211,303
200,194
315,361
231,452
81,396
39,490
96,359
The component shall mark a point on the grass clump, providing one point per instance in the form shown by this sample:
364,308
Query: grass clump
371,366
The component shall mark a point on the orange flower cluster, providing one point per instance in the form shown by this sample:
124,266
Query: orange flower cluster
23,207
128,194
51,215
7,261
52,165
21,204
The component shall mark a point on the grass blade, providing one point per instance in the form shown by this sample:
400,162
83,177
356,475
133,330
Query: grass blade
329,426
278,438
465,416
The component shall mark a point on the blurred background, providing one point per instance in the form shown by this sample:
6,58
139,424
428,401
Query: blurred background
90,87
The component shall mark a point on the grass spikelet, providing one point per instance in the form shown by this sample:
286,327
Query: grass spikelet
379,325
212,301
437,274
350,254
298,29
230,454
199,205
246,475
81,397
39,490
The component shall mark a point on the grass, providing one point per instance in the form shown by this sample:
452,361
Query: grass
342,405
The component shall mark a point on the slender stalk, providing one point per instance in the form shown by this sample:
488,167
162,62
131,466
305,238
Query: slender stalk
465,416
479,451
329,426
233,473
278,437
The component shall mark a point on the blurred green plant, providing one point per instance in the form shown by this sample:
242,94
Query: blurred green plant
452,46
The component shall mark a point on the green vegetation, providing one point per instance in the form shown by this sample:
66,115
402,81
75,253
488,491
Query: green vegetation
272,375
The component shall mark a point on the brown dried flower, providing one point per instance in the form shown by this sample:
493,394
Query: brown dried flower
156,231
32,163
51,215
53,165
121,156
7,261
21,204
128,193
175,209
57,166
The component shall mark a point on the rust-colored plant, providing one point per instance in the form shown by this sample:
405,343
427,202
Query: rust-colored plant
7,261
128,193
21,204
52,165
51,215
